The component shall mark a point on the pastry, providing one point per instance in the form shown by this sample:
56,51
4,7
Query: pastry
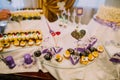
90,57
18,36
6,44
38,42
84,60
1,46
58,57
23,36
66,54
30,42
22,43
39,34
27,37
16,42
14,36
1,37
37,53
71,51
5,37
10,36
92,49
100,48
48,56
35,36
95,54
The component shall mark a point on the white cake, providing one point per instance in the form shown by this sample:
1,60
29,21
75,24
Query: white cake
110,11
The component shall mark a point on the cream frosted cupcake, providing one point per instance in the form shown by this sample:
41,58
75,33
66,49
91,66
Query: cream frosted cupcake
38,42
30,42
6,44
1,37
1,46
39,34
23,36
35,36
16,42
10,36
22,43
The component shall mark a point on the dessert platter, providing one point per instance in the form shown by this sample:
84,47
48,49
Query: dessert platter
76,57
26,14
12,41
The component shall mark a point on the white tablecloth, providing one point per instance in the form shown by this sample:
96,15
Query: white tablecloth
100,69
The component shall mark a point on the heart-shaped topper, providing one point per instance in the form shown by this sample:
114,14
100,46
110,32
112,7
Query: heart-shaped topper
78,34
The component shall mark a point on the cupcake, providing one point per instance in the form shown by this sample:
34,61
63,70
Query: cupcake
58,58
22,43
84,60
27,35
23,36
1,46
18,36
38,42
66,54
14,36
39,34
100,48
10,36
95,54
5,37
91,57
6,44
1,37
16,42
35,36
30,42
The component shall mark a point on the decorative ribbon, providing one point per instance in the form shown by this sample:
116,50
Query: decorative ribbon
110,24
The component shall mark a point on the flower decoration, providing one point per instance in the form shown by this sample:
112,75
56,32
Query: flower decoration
51,9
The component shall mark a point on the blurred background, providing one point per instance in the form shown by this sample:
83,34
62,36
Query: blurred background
89,6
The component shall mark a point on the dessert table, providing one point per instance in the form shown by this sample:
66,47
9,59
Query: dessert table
98,69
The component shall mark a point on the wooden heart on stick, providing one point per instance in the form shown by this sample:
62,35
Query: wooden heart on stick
78,34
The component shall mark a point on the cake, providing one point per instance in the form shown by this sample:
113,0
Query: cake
110,12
